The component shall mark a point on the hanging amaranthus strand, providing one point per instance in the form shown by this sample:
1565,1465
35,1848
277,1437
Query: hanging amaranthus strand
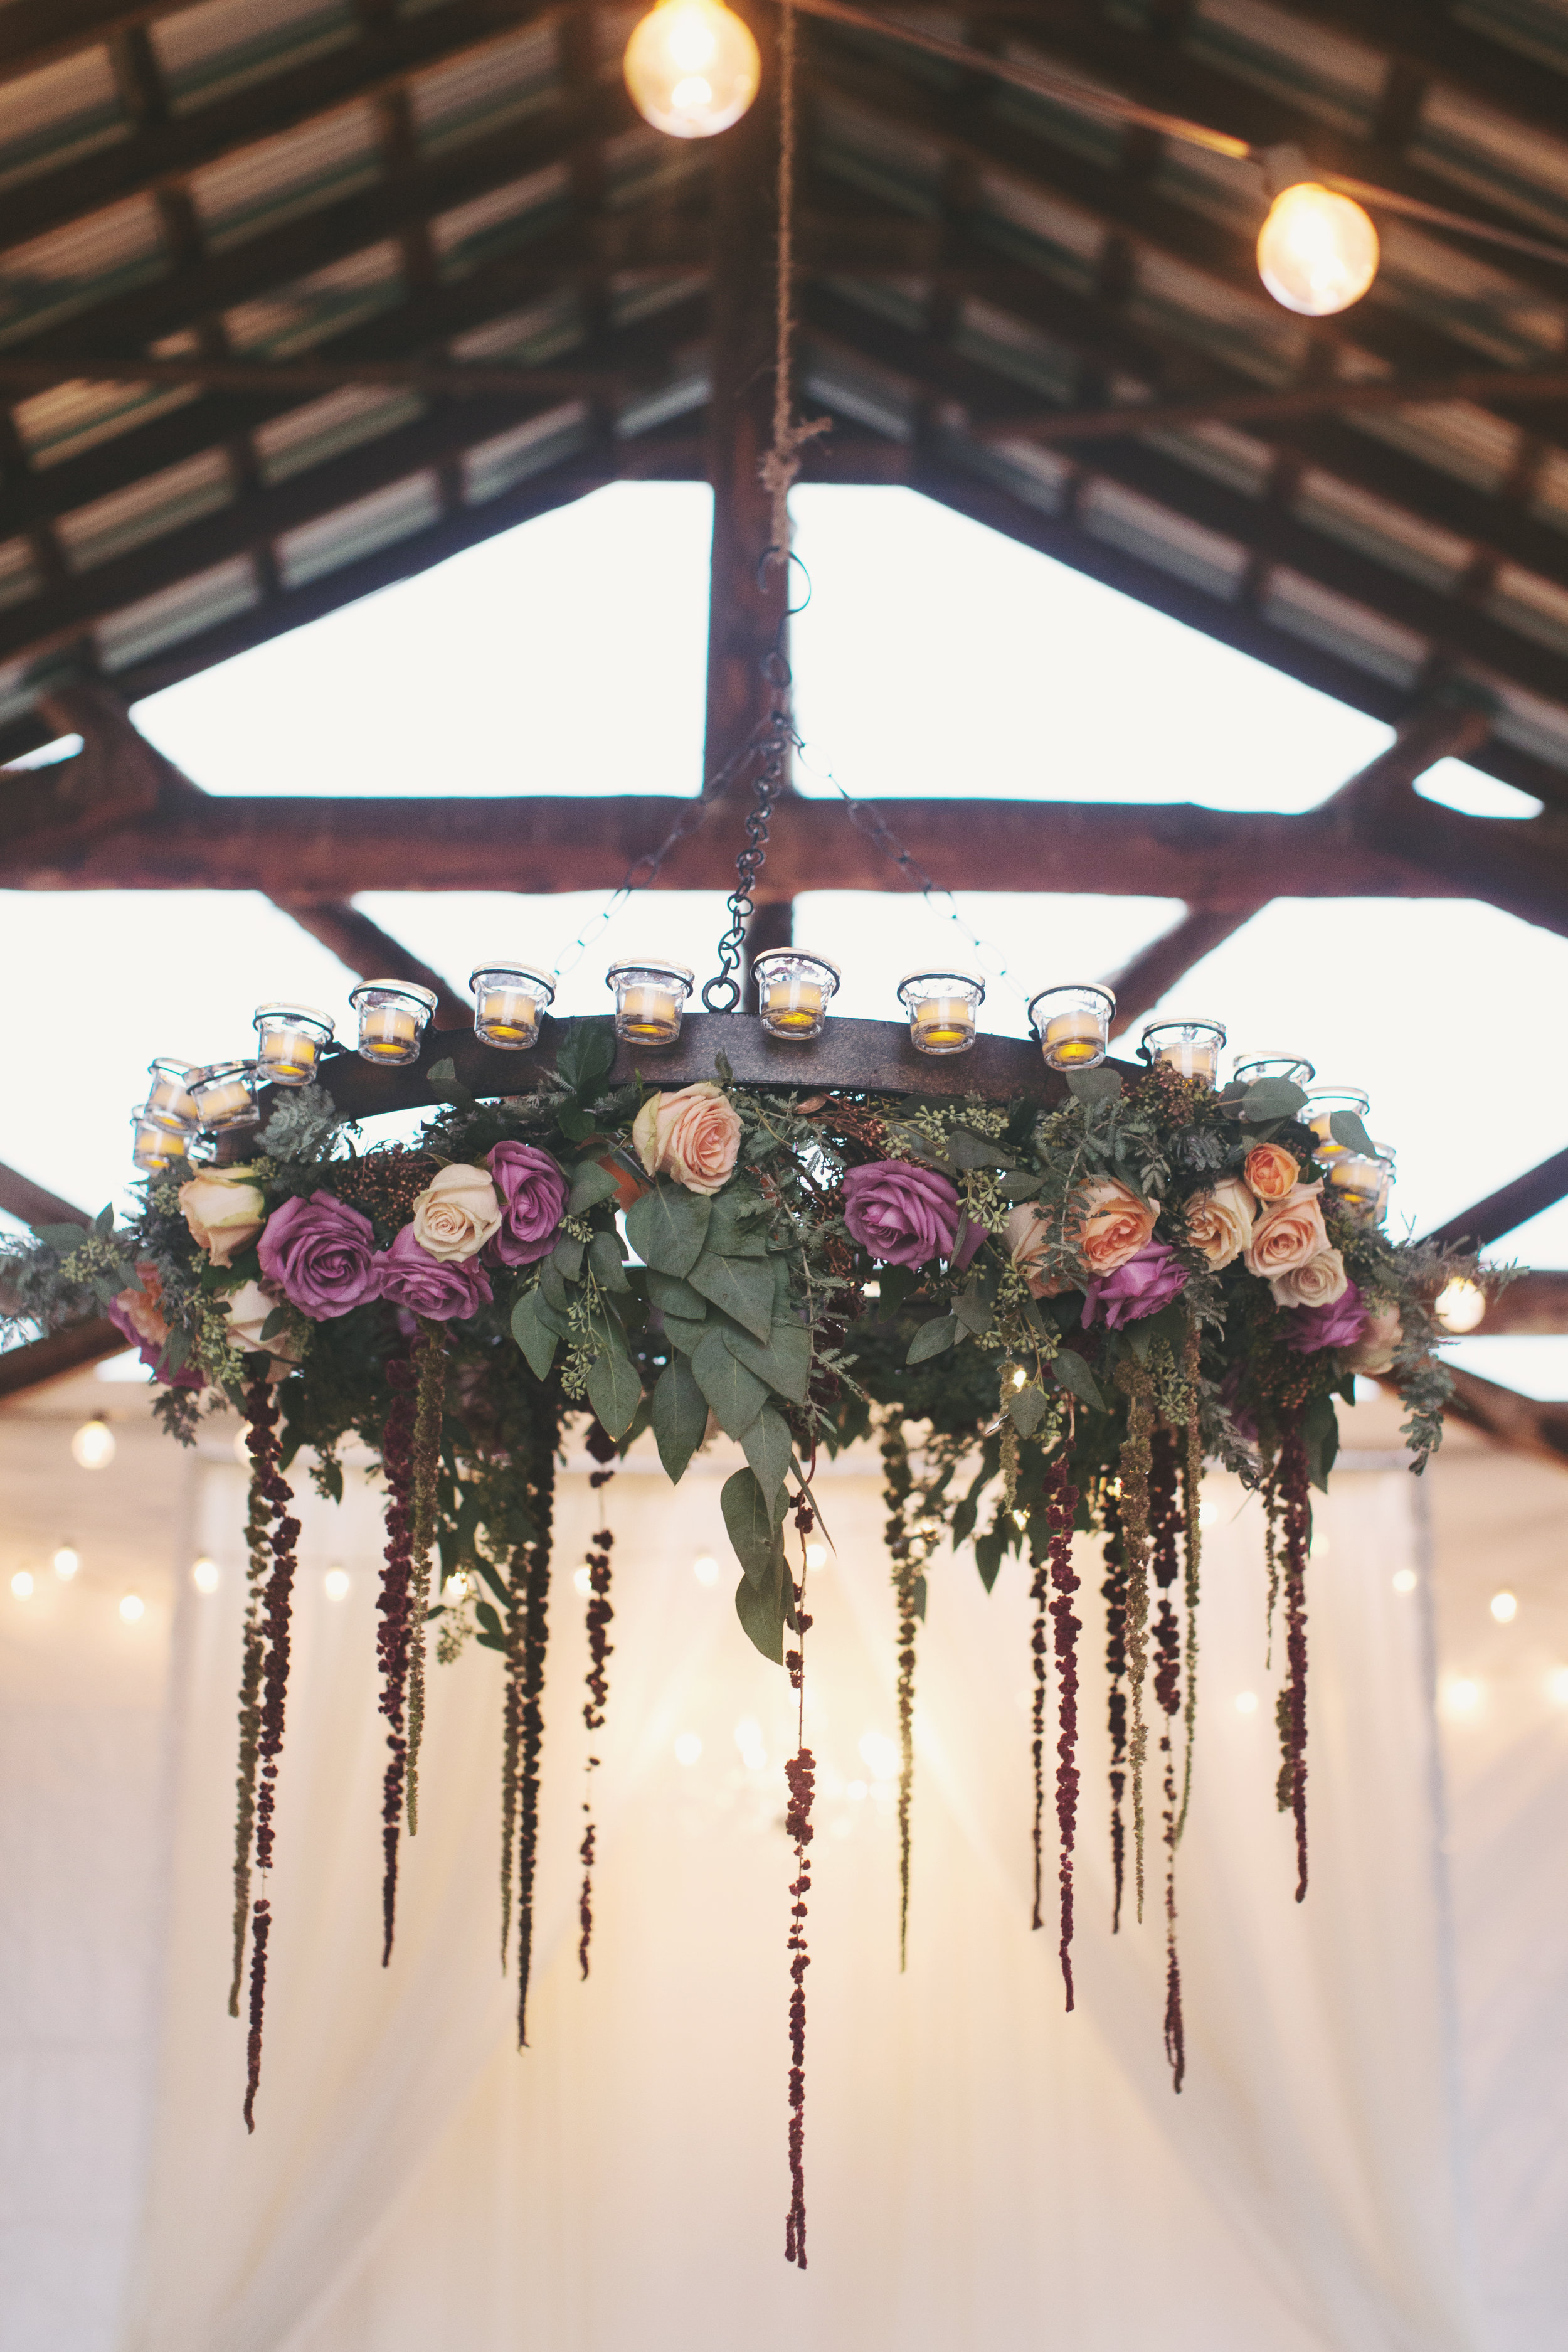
1062,1510
1269,1482
1134,1379
1293,1702
535,1639
1164,1521
601,1446
898,1486
395,1634
1039,1652
259,1563
1192,1539
430,1362
1114,1592
801,1773
262,1439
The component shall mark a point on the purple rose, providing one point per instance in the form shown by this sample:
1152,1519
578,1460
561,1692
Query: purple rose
1338,1325
1142,1287
904,1215
321,1254
533,1193
153,1352
969,1247
1229,1389
442,1289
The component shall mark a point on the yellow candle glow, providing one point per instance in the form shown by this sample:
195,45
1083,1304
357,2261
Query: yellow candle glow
651,1014
509,1016
793,1004
1191,1061
223,1097
387,1031
288,1055
1072,1037
169,1096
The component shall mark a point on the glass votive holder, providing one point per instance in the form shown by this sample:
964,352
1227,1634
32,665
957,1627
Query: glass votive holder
1191,1049
1290,1067
224,1096
942,1006
650,999
155,1146
793,990
168,1100
393,1017
1321,1109
1361,1181
291,1038
1073,1025
509,1001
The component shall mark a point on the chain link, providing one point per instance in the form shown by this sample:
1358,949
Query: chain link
722,993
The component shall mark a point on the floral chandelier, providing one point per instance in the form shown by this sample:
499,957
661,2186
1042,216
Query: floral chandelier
1050,1287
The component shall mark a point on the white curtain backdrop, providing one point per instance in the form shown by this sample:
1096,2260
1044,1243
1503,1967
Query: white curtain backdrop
980,2167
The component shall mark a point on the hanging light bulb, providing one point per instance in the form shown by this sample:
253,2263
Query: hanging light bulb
692,67
1317,252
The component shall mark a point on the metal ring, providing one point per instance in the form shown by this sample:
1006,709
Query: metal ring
711,991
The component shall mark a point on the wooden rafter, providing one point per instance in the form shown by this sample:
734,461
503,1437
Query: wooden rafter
1499,1215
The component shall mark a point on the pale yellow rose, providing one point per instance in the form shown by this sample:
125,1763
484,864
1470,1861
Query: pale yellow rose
1317,1282
1287,1235
1219,1222
1374,1350
456,1213
1270,1171
248,1310
1029,1232
693,1135
225,1210
1109,1224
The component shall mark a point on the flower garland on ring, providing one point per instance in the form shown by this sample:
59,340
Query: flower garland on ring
1052,1313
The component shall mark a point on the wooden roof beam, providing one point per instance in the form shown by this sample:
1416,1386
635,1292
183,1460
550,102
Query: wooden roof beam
1501,1213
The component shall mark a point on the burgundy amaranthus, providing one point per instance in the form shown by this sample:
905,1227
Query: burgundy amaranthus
395,1634
1114,1593
269,1483
535,1642
259,1563
1062,1499
1291,1712
1039,1650
1166,1519
801,1773
601,1446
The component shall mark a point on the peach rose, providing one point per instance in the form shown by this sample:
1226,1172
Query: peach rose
1317,1282
1110,1224
457,1211
249,1309
1029,1233
1374,1350
1288,1233
693,1135
1219,1222
225,1210
1270,1171
141,1307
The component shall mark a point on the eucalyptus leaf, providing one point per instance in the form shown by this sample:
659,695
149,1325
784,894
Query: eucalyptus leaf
552,1283
967,1150
448,1086
783,1360
989,1556
1026,1408
1074,1375
1099,1085
932,1339
590,1183
672,1297
275,1326
751,1523
614,1391
488,1618
532,1336
768,1449
61,1239
604,1259
765,1610
738,1226
681,1334
973,1309
737,1395
575,1124
586,1055
1272,1098
742,1286
680,1417
1320,1440
567,1258
1348,1132
668,1226
1018,1186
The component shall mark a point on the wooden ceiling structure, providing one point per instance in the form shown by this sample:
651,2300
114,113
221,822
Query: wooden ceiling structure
300,296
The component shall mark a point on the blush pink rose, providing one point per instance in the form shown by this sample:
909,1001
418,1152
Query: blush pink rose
693,1135
1374,1350
457,1212
1029,1234
1288,1233
1317,1282
1219,1222
1110,1224
1270,1171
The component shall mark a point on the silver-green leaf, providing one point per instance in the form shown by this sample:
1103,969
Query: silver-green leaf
742,1286
668,1226
680,1417
768,1449
737,1395
528,1329
933,1339
614,1391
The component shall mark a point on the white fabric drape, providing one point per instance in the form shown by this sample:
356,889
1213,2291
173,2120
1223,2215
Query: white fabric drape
980,2167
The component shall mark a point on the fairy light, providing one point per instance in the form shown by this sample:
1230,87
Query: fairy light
1505,1607
705,1568
204,1574
689,1747
1460,1305
1404,1580
1317,251
336,1583
132,1608
92,1447
1245,1702
22,1584
692,67
68,1559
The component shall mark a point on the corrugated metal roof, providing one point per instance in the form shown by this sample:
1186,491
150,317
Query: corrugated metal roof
500,221
1139,527
206,52
326,158
358,529
64,110
1320,616
146,510
64,422
328,302
499,465
153,623
323,429
477,92
84,262
1421,550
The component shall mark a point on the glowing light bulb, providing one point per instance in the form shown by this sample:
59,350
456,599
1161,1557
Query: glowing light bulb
336,1583
133,1607
706,1569
1463,1696
204,1574
1460,1305
692,67
92,1447
1557,1686
1505,1607
689,1747
1245,1702
816,1555
582,1578
1317,252
68,1559
22,1584
1404,1579
455,1588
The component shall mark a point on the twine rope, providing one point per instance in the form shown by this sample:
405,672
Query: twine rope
780,467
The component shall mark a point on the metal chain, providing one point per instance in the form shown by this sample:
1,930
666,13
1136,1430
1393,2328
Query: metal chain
722,993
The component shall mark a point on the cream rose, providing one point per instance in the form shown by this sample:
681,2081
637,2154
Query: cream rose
693,1135
1219,1222
1029,1234
457,1213
1288,1233
1374,1350
249,1309
225,1210
1270,1171
1110,1224
1317,1282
